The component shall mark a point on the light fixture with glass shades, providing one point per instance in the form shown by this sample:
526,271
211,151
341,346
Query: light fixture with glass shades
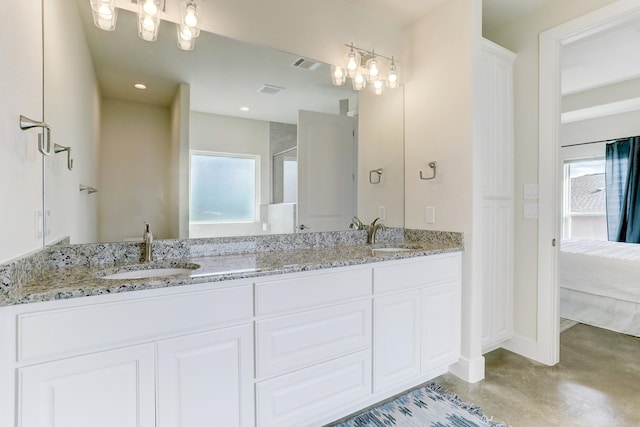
363,66
189,27
149,11
104,14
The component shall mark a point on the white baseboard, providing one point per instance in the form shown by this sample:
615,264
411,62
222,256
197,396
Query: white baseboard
523,346
471,371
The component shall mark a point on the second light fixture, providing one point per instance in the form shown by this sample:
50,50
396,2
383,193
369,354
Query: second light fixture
363,66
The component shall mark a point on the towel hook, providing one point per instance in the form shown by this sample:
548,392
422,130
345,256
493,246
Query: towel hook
377,171
61,148
27,123
433,166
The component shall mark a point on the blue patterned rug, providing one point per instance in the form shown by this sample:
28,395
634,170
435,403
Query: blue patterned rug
429,406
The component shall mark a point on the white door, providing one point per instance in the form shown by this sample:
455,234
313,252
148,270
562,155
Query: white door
326,171
206,379
107,389
396,340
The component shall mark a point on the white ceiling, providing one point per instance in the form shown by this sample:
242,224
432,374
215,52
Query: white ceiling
606,57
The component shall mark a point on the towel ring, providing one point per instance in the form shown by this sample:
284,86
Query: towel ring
371,176
433,166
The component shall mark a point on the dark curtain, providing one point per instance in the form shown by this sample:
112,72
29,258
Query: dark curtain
622,177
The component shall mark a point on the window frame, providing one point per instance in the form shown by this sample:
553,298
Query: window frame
255,157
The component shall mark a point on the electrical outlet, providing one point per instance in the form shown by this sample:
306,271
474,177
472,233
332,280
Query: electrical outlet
430,215
38,224
382,213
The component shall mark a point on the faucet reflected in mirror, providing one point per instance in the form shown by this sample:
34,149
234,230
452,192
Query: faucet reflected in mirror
372,229
154,127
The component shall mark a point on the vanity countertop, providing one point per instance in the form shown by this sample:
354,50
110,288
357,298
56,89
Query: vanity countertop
78,281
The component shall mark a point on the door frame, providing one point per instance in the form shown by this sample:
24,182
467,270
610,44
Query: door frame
550,167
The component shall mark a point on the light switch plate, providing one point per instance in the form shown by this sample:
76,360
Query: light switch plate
531,211
382,213
530,191
430,215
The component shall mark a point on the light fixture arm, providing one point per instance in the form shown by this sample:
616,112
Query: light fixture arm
370,52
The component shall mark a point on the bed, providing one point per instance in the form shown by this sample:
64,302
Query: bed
600,284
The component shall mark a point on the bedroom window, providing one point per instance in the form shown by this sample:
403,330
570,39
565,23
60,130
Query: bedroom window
584,200
224,188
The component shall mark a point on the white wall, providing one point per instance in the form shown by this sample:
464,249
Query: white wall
135,153
381,147
223,134
72,108
20,162
521,37
440,51
179,163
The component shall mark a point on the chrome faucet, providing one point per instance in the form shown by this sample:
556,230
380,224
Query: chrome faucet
148,242
357,224
372,230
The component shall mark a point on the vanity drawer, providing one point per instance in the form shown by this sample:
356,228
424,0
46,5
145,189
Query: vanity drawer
417,272
310,291
287,343
58,333
297,399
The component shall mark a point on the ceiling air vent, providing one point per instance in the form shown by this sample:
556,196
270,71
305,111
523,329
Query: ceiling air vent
306,64
270,89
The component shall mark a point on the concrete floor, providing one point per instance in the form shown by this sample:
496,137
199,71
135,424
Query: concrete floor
596,383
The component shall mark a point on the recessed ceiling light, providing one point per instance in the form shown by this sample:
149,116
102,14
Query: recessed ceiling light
139,86
244,108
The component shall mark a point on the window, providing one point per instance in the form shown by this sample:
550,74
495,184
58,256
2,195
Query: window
224,188
584,200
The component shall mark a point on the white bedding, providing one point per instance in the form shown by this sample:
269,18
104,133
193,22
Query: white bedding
602,268
600,284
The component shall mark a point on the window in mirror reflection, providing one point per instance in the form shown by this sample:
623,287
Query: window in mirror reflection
223,188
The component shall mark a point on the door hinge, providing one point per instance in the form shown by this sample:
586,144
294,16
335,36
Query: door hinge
553,242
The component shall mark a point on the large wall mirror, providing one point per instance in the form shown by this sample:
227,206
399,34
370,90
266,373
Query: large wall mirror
227,139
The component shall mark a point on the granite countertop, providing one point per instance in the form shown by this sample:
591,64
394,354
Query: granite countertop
81,280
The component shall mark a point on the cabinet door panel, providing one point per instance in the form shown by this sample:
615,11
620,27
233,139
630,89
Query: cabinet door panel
440,325
396,341
108,389
206,379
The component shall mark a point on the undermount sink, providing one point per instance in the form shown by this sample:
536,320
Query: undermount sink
143,271
390,249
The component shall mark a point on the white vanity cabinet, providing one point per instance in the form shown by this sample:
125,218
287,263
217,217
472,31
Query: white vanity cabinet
416,319
298,349
155,358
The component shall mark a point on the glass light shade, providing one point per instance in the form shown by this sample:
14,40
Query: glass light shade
338,75
393,80
186,39
374,69
378,86
359,82
104,14
352,62
190,15
149,19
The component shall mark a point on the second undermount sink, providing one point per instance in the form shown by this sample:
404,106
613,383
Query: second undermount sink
391,249
146,271
403,248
